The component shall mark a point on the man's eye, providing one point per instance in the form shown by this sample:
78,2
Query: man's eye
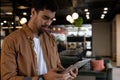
46,18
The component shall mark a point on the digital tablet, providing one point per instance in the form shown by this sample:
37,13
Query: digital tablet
76,65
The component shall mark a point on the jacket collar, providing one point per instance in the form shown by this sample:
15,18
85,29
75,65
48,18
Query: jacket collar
28,31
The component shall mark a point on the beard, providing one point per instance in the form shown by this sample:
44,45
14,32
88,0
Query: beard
44,28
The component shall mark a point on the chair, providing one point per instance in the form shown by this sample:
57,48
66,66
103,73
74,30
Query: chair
106,74
100,75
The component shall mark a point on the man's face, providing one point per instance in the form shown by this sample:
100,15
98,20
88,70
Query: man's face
43,19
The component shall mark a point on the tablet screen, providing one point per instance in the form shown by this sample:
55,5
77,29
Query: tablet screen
76,65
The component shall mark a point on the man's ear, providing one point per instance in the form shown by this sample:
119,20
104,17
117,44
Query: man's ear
33,11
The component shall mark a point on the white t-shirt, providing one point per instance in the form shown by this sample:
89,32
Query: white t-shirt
41,64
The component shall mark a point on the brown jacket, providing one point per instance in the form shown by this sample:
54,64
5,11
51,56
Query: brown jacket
18,61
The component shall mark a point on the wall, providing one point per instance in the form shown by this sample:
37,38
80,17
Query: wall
118,39
101,38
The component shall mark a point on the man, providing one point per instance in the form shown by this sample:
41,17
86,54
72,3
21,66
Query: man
31,53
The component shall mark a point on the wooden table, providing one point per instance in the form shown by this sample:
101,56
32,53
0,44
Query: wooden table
85,78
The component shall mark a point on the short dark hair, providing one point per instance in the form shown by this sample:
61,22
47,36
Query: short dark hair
44,4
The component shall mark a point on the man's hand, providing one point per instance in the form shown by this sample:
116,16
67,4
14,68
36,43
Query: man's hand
53,75
73,74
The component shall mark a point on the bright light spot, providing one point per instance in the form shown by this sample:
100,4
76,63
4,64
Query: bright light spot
71,20
105,12
54,19
1,24
103,15
105,8
86,10
88,17
17,18
24,13
23,20
8,13
5,21
12,23
59,29
68,18
54,29
75,15
22,7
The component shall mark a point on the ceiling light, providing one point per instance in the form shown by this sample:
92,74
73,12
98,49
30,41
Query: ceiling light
59,29
17,18
23,20
8,13
105,8
11,27
54,19
86,10
22,7
75,15
5,21
1,24
12,23
87,15
70,19
24,13
103,15
105,12
54,28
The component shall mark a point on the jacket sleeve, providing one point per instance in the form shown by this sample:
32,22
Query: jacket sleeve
9,62
58,58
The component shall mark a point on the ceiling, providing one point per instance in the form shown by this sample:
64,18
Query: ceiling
95,8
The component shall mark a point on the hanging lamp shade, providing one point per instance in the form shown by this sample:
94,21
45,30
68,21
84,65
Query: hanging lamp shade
75,15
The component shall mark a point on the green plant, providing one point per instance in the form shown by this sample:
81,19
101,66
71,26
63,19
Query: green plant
78,22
